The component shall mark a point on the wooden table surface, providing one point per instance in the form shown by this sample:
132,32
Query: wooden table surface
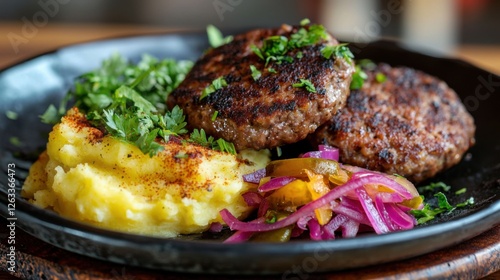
479,257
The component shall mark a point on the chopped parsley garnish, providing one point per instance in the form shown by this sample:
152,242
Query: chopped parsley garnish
461,191
429,211
214,115
432,187
380,77
438,205
271,70
11,115
215,37
181,155
127,102
358,78
213,87
255,73
279,153
337,51
276,48
199,136
305,84
15,141
304,22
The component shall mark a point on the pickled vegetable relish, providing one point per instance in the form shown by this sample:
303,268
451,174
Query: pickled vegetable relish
316,195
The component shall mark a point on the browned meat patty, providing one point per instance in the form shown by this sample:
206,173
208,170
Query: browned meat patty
412,124
270,111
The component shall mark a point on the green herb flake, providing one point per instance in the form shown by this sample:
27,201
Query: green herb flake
215,37
461,191
299,55
358,78
213,87
469,201
366,64
337,51
276,48
429,212
279,153
305,84
11,115
304,22
214,115
432,187
380,77
181,155
50,116
15,141
199,136
271,70
256,74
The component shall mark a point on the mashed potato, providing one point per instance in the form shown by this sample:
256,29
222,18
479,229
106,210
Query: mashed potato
103,181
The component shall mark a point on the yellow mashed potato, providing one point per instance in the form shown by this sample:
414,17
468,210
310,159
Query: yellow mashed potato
106,182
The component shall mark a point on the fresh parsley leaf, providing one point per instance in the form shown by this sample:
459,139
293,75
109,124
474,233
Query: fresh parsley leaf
307,37
443,201
214,115
199,136
432,187
15,141
213,87
276,48
337,51
224,146
358,78
273,48
271,70
304,22
51,116
305,84
172,123
215,37
469,201
11,115
380,77
460,191
366,64
429,212
125,92
146,142
181,155
255,73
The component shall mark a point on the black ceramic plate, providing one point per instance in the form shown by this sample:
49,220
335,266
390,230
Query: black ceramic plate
29,87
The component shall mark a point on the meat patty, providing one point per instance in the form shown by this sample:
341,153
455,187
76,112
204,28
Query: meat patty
269,111
411,124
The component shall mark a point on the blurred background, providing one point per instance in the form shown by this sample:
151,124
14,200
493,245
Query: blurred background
469,29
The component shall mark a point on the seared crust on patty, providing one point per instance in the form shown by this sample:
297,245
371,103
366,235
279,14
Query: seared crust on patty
412,124
267,112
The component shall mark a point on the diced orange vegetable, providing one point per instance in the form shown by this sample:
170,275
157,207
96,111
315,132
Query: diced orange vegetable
318,188
295,167
292,195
